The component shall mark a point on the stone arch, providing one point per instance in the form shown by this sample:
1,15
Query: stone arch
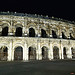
18,25
5,24
18,53
3,53
31,25
32,53
17,44
55,52
31,32
43,33
44,52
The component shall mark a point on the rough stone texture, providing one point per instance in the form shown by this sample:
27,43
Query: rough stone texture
37,42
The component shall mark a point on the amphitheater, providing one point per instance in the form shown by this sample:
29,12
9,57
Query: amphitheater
34,37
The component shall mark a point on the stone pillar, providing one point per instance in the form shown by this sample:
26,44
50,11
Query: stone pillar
23,31
69,55
51,51
37,54
68,34
25,52
60,50
49,56
0,30
11,31
26,32
10,51
13,55
62,56
38,31
39,51
51,33
60,33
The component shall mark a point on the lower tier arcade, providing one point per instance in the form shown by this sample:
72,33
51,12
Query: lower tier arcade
27,48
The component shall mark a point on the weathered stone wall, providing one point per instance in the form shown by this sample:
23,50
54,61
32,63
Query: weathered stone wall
37,42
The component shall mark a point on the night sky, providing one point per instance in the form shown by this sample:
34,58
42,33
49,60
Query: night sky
60,9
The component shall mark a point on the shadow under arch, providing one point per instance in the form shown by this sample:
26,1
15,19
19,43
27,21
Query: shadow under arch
54,34
31,32
43,33
65,52
71,37
44,53
5,31
63,36
18,31
32,53
4,53
55,52
18,53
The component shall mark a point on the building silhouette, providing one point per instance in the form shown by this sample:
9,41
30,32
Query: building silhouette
34,37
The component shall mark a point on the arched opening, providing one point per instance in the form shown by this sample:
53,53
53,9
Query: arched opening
54,34
65,53
32,53
43,33
5,31
31,32
73,53
56,52
71,37
63,36
18,53
18,31
3,53
44,52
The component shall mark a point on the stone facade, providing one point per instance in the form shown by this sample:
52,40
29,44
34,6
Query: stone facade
40,38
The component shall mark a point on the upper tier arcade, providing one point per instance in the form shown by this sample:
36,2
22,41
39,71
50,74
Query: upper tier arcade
27,25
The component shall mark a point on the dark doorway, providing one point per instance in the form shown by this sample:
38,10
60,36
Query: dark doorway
54,34
18,31
3,53
31,32
18,53
64,53
44,52
56,52
32,53
43,33
5,31
63,36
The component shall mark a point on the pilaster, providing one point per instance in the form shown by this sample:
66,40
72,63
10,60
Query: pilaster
25,52
51,51
39,51
10,51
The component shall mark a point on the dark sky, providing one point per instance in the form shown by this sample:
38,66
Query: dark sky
61,9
